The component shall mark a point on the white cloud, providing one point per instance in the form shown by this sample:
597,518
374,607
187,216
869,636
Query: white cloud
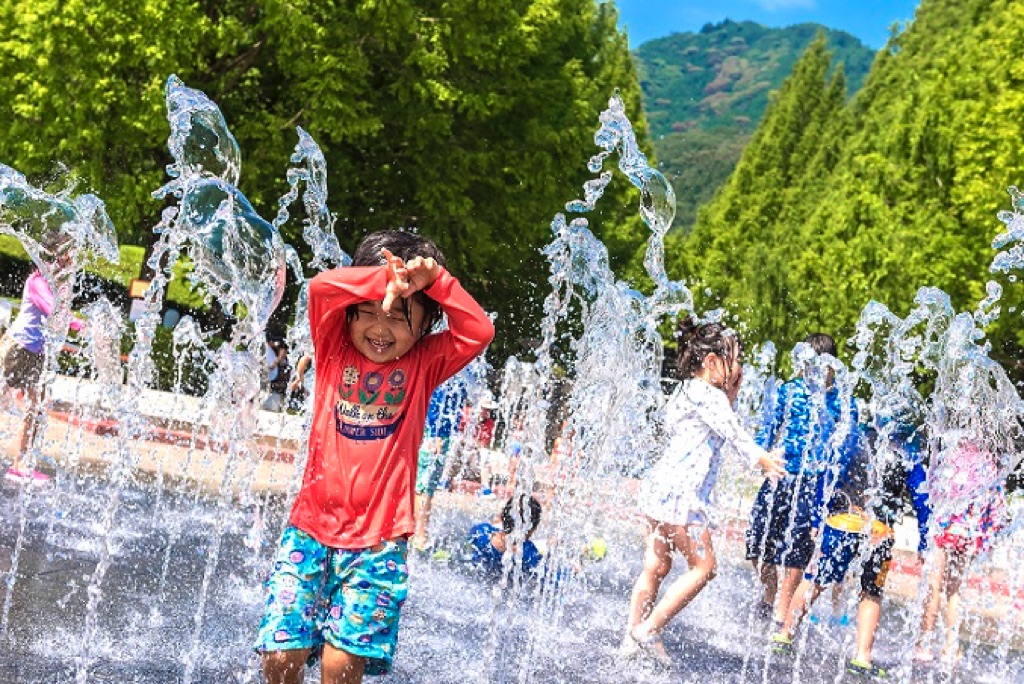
776,5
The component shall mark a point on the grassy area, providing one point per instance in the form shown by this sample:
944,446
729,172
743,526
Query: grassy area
179,292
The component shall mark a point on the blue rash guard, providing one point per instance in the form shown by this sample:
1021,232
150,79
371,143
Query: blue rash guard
803,437
487,557
902,477
444,410
802,421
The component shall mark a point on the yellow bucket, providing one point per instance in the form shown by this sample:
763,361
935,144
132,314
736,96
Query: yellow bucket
855,524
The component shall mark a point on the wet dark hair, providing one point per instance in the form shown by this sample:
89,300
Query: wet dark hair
697,340
822,344
508,520
406,246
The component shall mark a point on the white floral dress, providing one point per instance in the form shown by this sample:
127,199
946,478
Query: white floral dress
700,427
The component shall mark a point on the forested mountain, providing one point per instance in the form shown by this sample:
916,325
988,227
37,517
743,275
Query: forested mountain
468,120
834,203
704,94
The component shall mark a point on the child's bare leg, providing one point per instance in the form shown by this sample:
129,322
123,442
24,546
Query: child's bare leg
284,667
868,614
769,575
341,667
837,599
787,588
804,597
657,564
934,598
702,569
28,428
954,575
423,504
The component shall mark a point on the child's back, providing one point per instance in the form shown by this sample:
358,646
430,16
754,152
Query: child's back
485,555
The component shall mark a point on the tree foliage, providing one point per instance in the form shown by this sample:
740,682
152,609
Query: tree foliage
833,205
468,120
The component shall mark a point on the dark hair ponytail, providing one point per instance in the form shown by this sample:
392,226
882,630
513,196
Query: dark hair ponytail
697,340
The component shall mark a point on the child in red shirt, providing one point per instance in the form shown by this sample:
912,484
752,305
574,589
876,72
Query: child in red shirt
340,577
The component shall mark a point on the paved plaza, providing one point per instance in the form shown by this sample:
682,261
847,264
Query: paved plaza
154,575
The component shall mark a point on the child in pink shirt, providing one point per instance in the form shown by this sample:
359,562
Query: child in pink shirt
21,362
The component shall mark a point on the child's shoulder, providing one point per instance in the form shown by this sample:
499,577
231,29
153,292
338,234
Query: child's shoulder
481,529
796,384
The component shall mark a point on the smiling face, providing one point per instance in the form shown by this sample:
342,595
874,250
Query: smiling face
385,336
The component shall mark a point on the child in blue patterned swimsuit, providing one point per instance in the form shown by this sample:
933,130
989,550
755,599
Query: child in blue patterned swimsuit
786,513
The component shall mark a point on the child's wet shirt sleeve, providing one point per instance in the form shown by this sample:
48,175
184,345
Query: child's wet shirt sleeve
331,292
714,409
469,328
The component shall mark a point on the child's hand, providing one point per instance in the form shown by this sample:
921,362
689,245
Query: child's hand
772,464
398,280
404,279
732,386
421,273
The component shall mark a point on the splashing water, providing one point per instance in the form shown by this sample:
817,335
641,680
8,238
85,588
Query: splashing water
758,387
318,227
616,378
1013,258
606,370
238,257
973,408
200,142
59,233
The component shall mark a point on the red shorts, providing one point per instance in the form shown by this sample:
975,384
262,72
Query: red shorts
957,542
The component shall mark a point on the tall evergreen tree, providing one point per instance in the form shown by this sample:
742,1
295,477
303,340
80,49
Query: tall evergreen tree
895,190
736,247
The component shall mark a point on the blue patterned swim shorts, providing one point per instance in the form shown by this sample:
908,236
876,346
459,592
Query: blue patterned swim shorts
430,464
350,599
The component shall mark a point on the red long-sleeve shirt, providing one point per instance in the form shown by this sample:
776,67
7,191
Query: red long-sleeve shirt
368,417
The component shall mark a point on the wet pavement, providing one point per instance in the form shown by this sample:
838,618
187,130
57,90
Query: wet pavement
144,623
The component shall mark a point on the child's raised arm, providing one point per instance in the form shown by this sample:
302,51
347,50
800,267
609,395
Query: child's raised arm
469,328
331,292
719,416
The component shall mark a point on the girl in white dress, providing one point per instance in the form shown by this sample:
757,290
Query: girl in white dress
700,426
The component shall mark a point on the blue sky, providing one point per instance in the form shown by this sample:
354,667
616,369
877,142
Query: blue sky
869,20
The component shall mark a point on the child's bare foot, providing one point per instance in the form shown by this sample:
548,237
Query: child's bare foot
649,644
629,646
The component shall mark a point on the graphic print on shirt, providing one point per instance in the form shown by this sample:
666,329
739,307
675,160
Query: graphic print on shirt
369,406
